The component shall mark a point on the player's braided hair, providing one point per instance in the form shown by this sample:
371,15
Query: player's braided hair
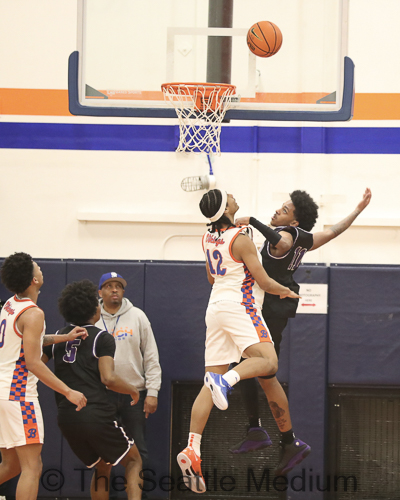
209,206
17,272
305,209
78,302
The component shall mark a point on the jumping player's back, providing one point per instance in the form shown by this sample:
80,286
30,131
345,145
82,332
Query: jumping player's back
76,364
232,279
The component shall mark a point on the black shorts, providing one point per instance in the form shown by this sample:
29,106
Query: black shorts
276,327
92,442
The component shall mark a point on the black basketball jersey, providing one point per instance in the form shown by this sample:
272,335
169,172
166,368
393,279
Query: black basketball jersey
76,364
281,269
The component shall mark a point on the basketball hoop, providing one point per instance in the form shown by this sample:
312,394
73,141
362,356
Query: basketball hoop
200,107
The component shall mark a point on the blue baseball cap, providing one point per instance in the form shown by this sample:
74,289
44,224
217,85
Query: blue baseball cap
111,277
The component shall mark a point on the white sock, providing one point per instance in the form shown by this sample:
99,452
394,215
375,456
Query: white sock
194,441
232,377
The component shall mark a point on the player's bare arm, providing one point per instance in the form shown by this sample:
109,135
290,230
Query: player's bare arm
329,234
78,331
112,381
30,324
243,249
277,248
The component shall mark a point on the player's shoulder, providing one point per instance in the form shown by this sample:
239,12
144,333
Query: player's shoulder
244,239
33,313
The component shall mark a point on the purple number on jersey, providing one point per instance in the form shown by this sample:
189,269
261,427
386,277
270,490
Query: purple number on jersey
70,350
298,255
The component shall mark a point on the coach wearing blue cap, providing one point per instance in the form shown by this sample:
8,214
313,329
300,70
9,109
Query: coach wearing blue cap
136,357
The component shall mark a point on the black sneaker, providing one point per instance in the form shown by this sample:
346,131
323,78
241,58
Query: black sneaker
291,455
256,439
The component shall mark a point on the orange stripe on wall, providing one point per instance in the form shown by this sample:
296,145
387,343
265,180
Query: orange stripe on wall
48,102
377,107
51,102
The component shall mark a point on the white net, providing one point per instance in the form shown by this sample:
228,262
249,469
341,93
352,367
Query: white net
200,107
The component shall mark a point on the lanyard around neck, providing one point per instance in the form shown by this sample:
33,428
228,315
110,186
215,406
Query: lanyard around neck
115,326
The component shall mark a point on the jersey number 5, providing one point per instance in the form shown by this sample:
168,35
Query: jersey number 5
217,259
70,350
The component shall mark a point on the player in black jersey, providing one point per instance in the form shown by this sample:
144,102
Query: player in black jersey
93,434
282,253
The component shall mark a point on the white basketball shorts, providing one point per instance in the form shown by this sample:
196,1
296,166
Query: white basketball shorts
21,423
232,328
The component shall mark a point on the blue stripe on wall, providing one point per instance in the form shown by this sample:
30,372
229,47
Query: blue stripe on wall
233,139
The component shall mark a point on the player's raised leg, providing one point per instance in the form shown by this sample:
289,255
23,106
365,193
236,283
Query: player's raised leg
189,458
292,450
255,437
262,361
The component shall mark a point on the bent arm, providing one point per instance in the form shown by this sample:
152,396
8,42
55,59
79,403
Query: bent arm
78,331
245,250
31,325
329,234
114,382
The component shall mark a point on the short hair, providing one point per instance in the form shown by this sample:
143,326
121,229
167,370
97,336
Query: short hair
209,206
17,272
305,209
78,302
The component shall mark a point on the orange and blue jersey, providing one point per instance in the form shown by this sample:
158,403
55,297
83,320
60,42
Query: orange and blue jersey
232,279
17,383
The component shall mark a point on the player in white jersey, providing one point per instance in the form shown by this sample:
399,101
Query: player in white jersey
235,326
22,331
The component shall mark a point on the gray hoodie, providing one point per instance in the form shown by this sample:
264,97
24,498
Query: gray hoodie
136,355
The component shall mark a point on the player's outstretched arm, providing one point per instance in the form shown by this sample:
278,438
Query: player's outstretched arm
329,234
112,381
244,249
30,324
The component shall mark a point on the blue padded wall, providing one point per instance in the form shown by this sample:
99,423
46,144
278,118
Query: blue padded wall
308,381
356,344
176,300
364,325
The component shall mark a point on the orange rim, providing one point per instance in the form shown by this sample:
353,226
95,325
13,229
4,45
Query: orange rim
201,93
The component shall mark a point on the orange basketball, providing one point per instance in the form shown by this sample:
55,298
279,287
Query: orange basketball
264,39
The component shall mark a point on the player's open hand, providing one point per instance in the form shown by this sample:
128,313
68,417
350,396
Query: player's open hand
76,398
242,221
291,294
150,405
78,331
365,201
